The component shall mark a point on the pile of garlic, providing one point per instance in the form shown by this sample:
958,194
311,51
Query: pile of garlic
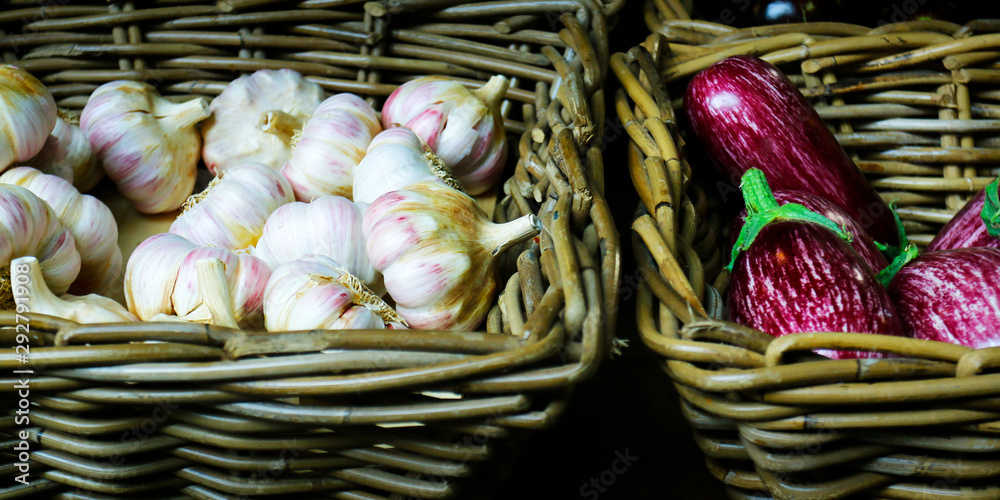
318,208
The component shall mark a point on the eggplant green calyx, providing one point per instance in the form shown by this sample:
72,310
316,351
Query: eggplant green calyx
991,210
763,209
909,253
891,252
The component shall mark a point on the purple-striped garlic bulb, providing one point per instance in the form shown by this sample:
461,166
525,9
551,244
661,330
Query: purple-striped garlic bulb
68,155
169,278
395,159
464,128
255,117
28,226
330,146
92,308
27,116
316,292
89,221
436,249
231,211
328,226
149,146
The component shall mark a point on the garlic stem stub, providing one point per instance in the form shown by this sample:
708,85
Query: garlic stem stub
27,116
148,145
436,249
395,159
329,226
230,213
330,146
94,229
462,127
68,155
316,292
93,308
255,117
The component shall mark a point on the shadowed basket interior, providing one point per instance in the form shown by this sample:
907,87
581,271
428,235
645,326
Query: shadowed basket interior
915,104
190,411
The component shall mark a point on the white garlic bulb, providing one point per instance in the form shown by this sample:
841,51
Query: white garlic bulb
149,146
231,212
255,117
316,292
68,155
395,159
93,308
329,226
332,143
27,116
28,226
93,227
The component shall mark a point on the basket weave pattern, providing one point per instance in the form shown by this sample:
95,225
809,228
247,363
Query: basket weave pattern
213,413
914,103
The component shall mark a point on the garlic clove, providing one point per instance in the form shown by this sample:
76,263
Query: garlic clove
27,116
255,117
464,128
316,292
329,226
436,249
330,146
67,154
231,212
27,272
149,146
395,159
93,227
151,273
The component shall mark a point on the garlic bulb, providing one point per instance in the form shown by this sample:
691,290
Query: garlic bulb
329,226
87,309
255,117
436,249
27,116
149,146
316,292
93,227
332,143
395,159
67,154
162,278
29,227
231,211
464,128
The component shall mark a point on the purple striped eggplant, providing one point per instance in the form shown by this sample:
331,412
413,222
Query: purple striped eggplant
970,226
860,240
794,271
747,114
951,296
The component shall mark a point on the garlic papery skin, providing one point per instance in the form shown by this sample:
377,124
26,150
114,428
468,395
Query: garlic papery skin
255,117
27,116
436,249
91,308
231,212
464,128
93,227
329,226
395,159
67,154
330,146
316,292
28,226
149,146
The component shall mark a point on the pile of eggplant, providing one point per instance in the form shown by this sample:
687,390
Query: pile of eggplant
816,248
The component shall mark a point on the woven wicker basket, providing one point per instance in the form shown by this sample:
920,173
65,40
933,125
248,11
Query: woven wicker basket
189,411
914,104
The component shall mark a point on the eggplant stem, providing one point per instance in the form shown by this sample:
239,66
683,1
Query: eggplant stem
991,210
909,253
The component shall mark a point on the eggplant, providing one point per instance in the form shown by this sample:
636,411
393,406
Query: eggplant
951,296
793,271
971,225
747,114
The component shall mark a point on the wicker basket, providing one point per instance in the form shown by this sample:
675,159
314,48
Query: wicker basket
914,104
189,411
